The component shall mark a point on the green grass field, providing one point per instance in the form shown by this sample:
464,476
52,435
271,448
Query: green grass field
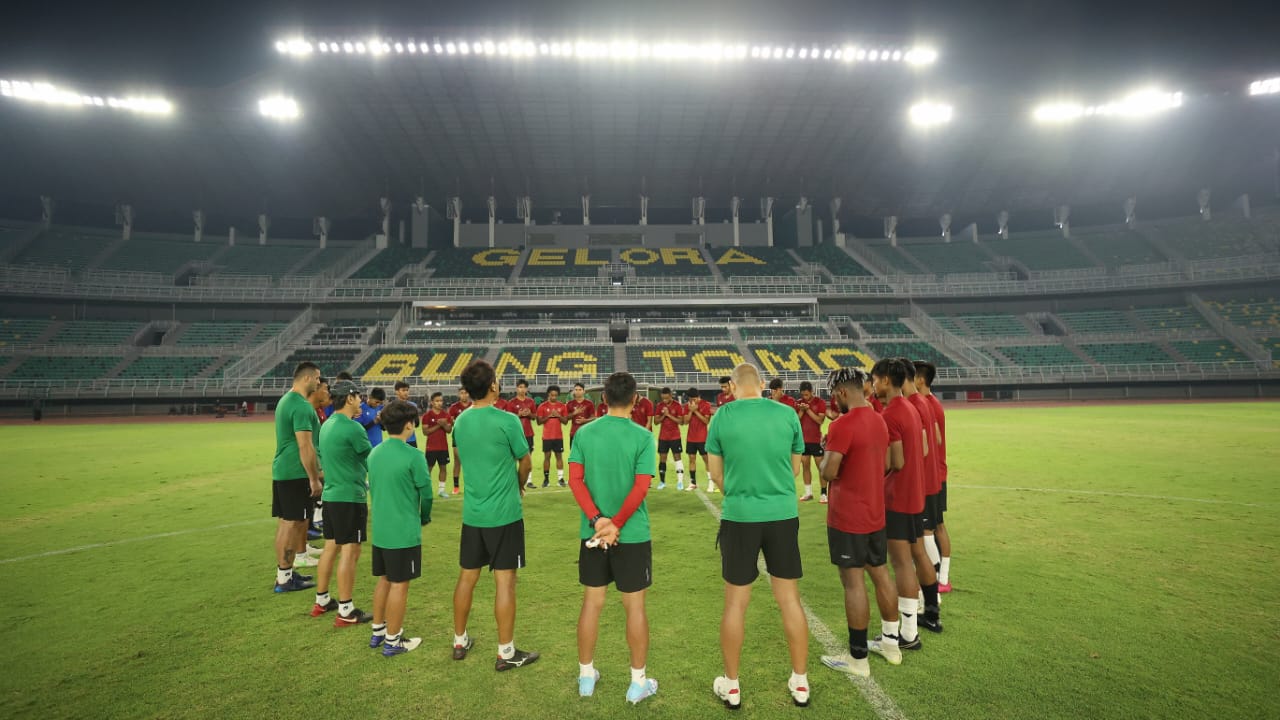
1133,574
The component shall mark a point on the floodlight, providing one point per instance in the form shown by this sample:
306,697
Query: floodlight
543,49
791,52
399,47
488,47
921,56
861,54
1058,112
348,48
463,47
874,55
826,55
804,53
360,48
278,107
777,53
282,46
438,48
897,55
929,113
1269,86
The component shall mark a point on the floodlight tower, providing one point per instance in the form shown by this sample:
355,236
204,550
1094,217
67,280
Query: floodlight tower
945,223
586,209
384,207
891,229
735,207
320,228
47,206
264,224
1131,212
766,214
492,202
1062,219
1002,222
1202,197
700,210
835,216
453,211
644,202
124,218
197,219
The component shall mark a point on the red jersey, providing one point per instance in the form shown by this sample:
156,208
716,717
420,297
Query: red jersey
788,401
697,427
670,429
875,403
500,404
904,489
723,398
456,409
515,405
857,495
602,409
932,480
552,427
439,440
936,404
585,409
812,429
642,413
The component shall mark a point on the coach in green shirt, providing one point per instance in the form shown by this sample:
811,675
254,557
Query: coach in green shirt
345,448
755,446
495,461
295,473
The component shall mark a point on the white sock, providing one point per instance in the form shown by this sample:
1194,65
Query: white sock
637,675
560,475
283,576
920,602
461,640
808,488
733,683
680,467
508,651
441,486
931,548
907,611
587,671
319,518
394,639
322,598
346,608
800,681
379,629
889,630
944,572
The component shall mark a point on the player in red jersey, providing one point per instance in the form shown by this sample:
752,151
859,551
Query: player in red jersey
853,466
779,393
870,392
812,410
936,531
581,410
670,415
525,408
464,402
904,497
551,416
602,409
436,424
698,414
642,413
725,396
932,485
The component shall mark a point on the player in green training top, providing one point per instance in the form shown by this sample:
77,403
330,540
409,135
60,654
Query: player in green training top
345,448
611,464
755,445
295,473
401,489
495,461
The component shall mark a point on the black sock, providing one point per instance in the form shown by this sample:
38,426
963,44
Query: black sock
662,472
455,481
693,477
858,643
937,567
931,596
546,476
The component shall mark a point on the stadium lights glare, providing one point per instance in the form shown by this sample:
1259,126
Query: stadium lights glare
1269,86
930,114
1138,104
279,107
618,50
49,94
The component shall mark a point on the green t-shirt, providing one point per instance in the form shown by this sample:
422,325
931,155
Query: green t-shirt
489,443
293,414
344,447
612,451
757,437
401,490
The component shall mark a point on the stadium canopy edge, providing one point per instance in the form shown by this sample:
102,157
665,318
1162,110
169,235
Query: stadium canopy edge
638,301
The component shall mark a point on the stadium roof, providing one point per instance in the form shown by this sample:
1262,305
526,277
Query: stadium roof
474,126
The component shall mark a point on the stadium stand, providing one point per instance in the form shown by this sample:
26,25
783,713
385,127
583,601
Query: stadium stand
95,332
1126,353
681,334
90,367
473,263
953,257
1040,251
554,334
782,330
983,325
273,260
390,261
1118,247
167,367
1039,355
565,364
331,362
1253,313
1203,351
821,358
671,262
1171,318
716,359
1272,344
754,261
565,262
1197,239
918,350
389,364
216,333
473,336
837,261
64,248
343,332
24,331
156,255
1097,321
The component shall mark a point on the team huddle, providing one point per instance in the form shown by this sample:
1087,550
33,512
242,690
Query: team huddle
881,468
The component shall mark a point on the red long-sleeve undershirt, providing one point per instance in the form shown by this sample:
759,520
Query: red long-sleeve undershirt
578,484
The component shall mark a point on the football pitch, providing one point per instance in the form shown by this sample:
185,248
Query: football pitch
1109,561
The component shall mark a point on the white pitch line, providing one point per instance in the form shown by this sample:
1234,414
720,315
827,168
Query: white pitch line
113,543
1141,496
871,691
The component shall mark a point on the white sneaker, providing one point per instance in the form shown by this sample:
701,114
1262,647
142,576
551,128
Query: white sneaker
732,699
712,488
886,648
690,488
848,664
799,693
304,560
662,486
806,497
314,552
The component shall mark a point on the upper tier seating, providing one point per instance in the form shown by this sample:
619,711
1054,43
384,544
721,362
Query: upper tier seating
420,365
680,334
216,333
21,331
390,261
1117,247
834,259
474,336
1040,355
157,255
953,257
96,332
64,248
331,362
553,262
454,263
167,367
65,368
1197,239
784,329
1126,353
753,261
819,357
1097,321
273,260
990,325
918,350
1172,318
552,335
571,362
342,332
1040,251
1253,313
715,359
1210,351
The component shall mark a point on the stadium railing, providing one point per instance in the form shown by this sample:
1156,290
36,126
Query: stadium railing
256,361
948,341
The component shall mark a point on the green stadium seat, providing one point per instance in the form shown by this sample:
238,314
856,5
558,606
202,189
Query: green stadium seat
1172,318
1210,351
161,256
331,362
390,261
455,263
555,334
783,329
1097,321
835,260
64,368
1118,247
273,260
546,262
680,334
817,357
952,257
64,248
885,328
167,367
917,350
1126,353
1196,239
753,261
1040,251
95,332
666,262
216,333
1040,355
664,360
21,331
386,365
572,363
991,325
343,332
474,336
1254,314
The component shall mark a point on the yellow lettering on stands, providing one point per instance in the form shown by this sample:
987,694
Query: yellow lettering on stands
554,257
432,371
773,362
665,356
583,257
392,366
639,256
675,256
577,363
734,255
702,361
496,257
508,360
828,358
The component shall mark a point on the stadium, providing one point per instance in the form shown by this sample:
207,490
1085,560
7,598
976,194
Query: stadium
1094,273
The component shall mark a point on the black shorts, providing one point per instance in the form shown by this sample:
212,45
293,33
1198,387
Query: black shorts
813,449
398,565
437,457
291,500
696,448
552,446
742,542
501,548
903,526
346,522
931,518
529,438
665,446
855,550
942,501
629,566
